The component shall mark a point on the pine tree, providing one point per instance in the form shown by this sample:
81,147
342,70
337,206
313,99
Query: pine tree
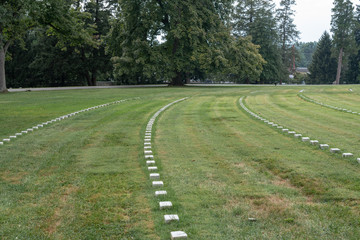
323,65
341,27
287,30
255,18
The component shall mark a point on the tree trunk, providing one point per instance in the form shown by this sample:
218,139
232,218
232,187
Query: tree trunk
2,71
177,80
338,74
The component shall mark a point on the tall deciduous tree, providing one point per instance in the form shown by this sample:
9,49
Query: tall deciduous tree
323,66
287,30
18,16
195,38
256,18
341,27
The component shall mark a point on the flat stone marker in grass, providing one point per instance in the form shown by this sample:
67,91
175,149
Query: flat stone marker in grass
12,137
24,131
280,127
147,143
285,130
154,176
1,143
147,140
178,235
30,129
147,134
358,160
160,193
165,205
291,132
171,218
150,163
297,135
347,155
18,134
274,125
314,142
147,137
324,146
305,139
334,150
157,183
149,156
6,140
147,147
152,168
148,152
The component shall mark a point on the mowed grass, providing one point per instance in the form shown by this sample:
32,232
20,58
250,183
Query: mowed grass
86,178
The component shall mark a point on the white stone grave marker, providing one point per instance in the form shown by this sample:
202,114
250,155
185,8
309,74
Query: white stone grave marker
178,235
305,139
150,162
149,156
324,146
170,218
157,183
152,168
160,193
165,205
314,142
334,150
154,176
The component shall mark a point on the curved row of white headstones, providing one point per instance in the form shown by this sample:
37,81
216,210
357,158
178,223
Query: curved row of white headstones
293,133
36,127
155,176
327,105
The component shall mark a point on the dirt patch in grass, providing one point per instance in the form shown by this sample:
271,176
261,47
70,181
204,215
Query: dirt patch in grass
13,178
56,220
271,205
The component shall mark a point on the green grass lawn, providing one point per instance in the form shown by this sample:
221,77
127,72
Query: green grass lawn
86,177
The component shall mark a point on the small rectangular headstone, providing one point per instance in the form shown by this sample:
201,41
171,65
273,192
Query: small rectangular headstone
314,142
147,137
165,205
297,135
152,168
147,134
157,183
12,136
6,140
274,125
30,129
154,176
149,156
160,193
150,162
358,160
1,143
170,218
148,152
305,139
334,150
178,235
285,130
18,134
324,146
147,143
291,132
147,147
347,155
280,127
147,140
24,131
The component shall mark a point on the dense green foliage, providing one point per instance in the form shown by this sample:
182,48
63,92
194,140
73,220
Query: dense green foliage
256,18
323,65
287,32
305,53
80,42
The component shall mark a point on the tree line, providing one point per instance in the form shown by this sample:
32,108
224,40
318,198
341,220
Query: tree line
336,59
80,42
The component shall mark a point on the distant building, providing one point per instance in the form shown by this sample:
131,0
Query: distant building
302,70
